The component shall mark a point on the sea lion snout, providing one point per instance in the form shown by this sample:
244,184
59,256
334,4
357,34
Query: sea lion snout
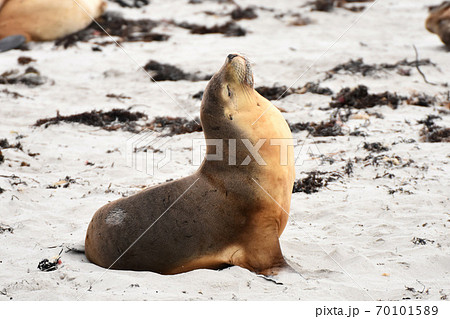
231,56
240,67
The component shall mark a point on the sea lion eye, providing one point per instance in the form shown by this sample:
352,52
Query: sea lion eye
229,91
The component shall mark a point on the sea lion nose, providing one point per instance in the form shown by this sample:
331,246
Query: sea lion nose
231,56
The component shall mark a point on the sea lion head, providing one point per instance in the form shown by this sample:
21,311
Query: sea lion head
229,93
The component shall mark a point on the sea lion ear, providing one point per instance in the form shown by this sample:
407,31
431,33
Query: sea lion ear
12,42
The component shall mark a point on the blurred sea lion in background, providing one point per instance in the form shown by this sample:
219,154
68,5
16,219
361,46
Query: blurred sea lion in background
44,20
439,22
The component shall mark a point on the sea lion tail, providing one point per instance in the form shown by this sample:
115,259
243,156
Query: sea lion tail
12,42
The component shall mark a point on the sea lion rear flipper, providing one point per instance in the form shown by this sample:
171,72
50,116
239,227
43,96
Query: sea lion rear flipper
12,42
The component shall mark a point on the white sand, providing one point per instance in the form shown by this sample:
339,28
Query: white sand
351,240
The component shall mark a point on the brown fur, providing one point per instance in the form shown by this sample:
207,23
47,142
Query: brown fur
225,218
439,22
46,20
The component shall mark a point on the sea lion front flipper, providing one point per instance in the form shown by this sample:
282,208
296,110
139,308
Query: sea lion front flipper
12,42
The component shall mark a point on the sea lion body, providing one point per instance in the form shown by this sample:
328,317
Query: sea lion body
47,20
438,22
225,213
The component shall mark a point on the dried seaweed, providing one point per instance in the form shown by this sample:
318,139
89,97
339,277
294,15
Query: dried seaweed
323,5
359,98
5,228
168,72
421,100
118,96
110,120
14,95
375,147
279,92
421,241
312,87
348,168
433,133
175,125
274,92
115,25
64,183
359,67
128,121
50,265
314,181
198,95
329,128
328,5
4,144
31,77
229,29
25,60
247,13
132,3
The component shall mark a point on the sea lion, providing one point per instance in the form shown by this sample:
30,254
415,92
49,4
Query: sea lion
45,20
438,22
229,212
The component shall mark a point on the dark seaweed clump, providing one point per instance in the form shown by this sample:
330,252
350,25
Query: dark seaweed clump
126,120
323,5
6,228
274,92
25,60
433,133
247,13
315,88
116,25
314,182
175,125
359,67
132,3
167,72
375,147
279,92
14,95
198,95
329,128
328,5
31,77
423,99
229,29
421,241
129,30
4,144
359,98
111,120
